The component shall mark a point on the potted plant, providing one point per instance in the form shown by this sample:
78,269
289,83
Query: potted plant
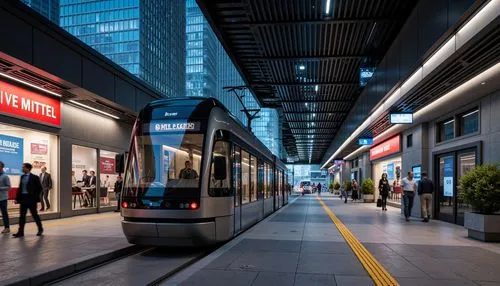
481,189
336,187
368,188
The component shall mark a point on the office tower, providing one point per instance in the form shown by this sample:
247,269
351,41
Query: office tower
48,8
147,38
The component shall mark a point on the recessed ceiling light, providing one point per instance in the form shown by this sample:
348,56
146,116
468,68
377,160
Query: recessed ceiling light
302,67
316,88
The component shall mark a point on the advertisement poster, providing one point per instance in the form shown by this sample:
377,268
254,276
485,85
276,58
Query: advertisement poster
390,171
417,173
11,153
448,177
39,149
107,165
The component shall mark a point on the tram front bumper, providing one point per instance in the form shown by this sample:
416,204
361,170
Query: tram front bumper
170,234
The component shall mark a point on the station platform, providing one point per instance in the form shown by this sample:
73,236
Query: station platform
301,245
67,244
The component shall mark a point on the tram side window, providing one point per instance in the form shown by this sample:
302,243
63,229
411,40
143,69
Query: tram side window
253,178
245,177
220,170
260,179
237,175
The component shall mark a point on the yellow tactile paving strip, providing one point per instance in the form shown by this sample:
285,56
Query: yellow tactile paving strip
377,272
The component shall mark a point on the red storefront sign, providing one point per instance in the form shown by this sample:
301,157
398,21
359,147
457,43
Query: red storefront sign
22,103
385,148
107,165
39,149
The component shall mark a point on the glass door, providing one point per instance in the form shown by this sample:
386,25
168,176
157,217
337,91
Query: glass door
466,161
237,187
446,191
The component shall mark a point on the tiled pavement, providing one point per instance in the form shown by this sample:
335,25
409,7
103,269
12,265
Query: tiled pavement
301,246
64,240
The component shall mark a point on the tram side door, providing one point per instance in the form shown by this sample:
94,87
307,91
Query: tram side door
237,187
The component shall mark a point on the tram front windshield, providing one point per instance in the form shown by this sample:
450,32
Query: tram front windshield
164,165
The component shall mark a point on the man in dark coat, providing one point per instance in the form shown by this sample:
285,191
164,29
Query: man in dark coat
28,195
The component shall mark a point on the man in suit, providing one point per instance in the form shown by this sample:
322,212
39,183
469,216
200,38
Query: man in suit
28,195
85,179
92,184
46,181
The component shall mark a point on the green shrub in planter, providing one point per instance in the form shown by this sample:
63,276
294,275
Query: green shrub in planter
336,186
368,187
481,189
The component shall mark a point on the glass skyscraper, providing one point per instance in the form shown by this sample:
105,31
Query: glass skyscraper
209,69
48,8
147,38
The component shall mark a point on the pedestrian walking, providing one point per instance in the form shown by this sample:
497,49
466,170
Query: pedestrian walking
28,195
319,189
355,189
343,193
383,189
409,189
118,191
425,190
4,197
46,181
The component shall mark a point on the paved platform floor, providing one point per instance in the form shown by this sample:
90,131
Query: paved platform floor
300,245
64,240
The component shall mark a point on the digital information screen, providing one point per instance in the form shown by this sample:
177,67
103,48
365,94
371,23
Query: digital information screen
401,118
172,126
365,141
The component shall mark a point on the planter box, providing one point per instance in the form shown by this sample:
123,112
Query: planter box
368,198
483,227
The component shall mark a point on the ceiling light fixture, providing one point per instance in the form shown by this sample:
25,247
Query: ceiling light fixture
327,10
316,88
302,67
29,84
93,109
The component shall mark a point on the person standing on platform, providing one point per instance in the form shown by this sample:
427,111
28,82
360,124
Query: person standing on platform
319,189
118,191
384,188
425,190
409,189
28,195
355,189
46,181
4,197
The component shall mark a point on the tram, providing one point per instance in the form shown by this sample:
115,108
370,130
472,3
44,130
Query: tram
196,176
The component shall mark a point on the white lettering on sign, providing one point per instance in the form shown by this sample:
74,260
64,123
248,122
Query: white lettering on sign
174,126
170,114
30,105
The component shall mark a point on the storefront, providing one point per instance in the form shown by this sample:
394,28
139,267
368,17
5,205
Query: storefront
37,128
457,150
386,158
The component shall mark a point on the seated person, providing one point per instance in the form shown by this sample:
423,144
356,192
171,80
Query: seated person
74,183
188,172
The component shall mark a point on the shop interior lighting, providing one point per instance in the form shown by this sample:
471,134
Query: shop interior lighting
478,21
93,109
302,67
29,84
470,113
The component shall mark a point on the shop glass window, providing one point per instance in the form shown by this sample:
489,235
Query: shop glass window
409,141
108,178
469,122
220,187
446,130
245,177
84,177
253,178
20,145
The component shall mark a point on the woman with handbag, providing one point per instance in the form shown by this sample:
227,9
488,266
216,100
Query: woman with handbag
383,188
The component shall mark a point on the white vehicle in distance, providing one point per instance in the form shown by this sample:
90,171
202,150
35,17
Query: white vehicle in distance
305,187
